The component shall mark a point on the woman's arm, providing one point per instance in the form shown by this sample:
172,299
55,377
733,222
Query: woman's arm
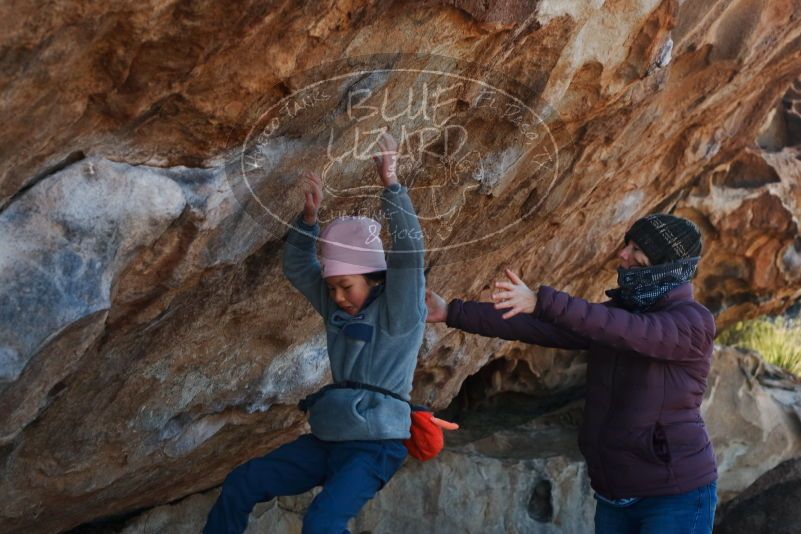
684,332
482,318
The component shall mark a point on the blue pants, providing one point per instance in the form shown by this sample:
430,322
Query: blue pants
686,513
351,473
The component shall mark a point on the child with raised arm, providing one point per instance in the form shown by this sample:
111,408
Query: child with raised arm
374,312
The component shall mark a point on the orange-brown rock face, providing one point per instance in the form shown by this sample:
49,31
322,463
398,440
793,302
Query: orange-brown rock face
148,340
749,206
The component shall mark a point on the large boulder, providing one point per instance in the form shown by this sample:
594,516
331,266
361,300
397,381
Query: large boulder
752,413
768,506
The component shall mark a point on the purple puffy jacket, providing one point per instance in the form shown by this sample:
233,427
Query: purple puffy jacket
642,434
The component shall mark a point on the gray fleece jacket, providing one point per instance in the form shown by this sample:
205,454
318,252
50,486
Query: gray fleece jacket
379,344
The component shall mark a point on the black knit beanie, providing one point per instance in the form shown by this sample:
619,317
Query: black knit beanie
665,238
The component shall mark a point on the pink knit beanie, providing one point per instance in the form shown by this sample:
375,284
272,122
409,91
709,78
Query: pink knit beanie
351,245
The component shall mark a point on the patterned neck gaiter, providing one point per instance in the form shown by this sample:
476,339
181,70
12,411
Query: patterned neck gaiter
640,288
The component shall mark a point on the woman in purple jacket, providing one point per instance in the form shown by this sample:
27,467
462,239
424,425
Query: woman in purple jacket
649,458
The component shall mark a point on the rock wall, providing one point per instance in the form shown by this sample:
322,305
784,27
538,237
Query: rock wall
148,342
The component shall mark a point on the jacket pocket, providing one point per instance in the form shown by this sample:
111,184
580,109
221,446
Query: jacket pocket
632,441
660,447
365,403
686,439
337,412
360,331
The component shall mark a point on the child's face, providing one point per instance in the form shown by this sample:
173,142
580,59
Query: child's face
349,291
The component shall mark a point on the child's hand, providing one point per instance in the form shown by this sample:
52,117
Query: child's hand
517,296
313,189
437,308
386,161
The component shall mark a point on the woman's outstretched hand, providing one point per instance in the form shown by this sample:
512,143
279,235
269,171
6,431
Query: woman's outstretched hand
386,161
437,308
515,295
313,189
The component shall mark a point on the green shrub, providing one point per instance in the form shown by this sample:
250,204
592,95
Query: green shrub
777,340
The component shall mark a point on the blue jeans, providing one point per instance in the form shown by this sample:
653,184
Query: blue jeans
351,473
686,513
